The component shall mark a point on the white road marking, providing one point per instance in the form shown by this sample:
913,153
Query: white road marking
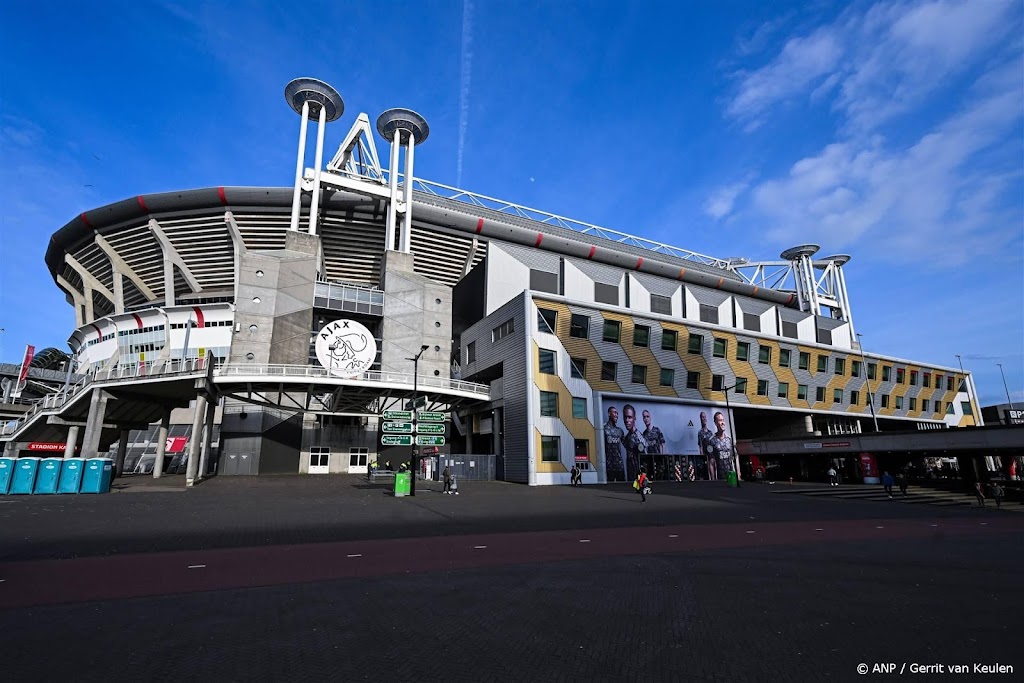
750,532
879,527
819,529
479,547
196,566
356,555
673,535
584,540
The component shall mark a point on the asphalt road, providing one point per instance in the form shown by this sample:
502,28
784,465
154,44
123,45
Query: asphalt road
304,578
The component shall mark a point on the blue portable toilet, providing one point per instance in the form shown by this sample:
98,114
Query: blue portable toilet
48,475
96,478
24,475
71,475
6,474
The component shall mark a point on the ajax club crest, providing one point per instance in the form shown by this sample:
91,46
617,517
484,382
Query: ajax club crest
346,348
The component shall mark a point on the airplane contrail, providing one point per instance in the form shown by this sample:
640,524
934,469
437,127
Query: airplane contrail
464,81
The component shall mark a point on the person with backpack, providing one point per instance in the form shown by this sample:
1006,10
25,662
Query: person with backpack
642,484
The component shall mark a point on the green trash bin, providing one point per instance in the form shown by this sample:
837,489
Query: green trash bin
403,483
730,478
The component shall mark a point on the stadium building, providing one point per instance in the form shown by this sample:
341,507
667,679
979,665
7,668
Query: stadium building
295,330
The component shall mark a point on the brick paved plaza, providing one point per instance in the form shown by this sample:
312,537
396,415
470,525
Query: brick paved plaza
331,578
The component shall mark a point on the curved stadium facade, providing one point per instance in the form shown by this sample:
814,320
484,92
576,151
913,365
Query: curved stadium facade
544,342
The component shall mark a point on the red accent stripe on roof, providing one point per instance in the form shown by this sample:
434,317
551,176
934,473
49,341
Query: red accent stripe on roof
720,281
138,320
591,254
142,204
85,219
791,297
639,262
223,199
479,225
755,291
99,332
200,320
540,238
682,272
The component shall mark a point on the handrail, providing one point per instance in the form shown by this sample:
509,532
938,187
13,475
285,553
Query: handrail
312,371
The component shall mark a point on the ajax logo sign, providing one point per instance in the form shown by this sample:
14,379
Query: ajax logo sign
346,348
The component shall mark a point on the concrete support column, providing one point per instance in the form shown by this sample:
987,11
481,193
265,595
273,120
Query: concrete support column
122,451
161,444
69,447
809,424
94,424
211,411
11,449
195,440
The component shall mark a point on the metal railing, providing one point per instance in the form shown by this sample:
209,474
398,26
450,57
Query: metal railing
376,377
128,371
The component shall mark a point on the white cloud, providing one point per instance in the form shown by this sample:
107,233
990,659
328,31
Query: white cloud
721,201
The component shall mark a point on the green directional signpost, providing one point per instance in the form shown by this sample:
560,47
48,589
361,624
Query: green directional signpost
429,428
404,415
424,440
396,440
425,416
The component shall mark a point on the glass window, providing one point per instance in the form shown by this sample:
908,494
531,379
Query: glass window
661,304
762,387
696,344
743,351
549,448
900,375
668,377
854,398
822,363
785,356
819,394
708,314
609,370
579,407
913,403
926,381
966,406
886,373
924,405
805,360
855,369
503,330
840,366
949,408
741,385
547,363
764,355
837,395
717,382
899,403
549,404
668,340
801,392
639,374
872,370
885,400
783,389
949,383
938,381
718,349
546,319
642,336
611,330
692,380
578,367
582,448
579,326
913,379
471,352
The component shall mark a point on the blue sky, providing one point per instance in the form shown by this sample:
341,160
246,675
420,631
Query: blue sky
890,131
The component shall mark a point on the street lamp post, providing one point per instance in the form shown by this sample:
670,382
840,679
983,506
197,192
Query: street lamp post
184,348
415,390
867,385
1007,389
964,386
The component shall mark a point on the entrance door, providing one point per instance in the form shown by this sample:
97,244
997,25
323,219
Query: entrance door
319,460
357,460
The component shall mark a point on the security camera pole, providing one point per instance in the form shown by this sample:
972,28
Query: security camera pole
415,390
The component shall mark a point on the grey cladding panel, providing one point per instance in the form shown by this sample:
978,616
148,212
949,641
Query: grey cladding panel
657,285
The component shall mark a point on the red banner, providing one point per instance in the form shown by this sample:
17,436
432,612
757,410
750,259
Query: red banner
47,446
175,444
30,351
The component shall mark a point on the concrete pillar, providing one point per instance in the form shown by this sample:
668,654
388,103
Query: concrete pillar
809,424
195,441
161,444
11,449
94,424
211,411
122,451
69,447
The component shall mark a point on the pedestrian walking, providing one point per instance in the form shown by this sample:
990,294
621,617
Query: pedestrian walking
887,482
447,476
979,493
455,485
642,484
997,494
832,477
901,481
576,476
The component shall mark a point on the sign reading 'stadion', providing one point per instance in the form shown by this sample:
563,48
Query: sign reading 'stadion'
346,348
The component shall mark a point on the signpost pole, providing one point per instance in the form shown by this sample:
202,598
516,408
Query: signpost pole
415,390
